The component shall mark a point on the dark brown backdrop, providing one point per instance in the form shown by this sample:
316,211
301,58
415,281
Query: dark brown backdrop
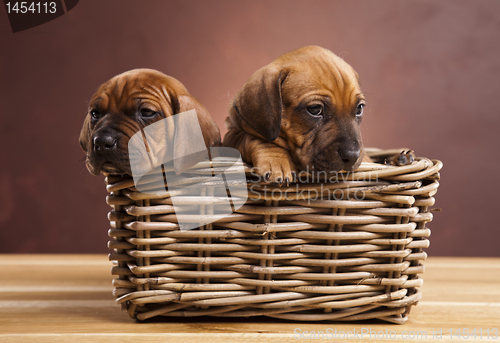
430,71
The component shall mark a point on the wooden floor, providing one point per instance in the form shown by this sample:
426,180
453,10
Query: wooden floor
67,298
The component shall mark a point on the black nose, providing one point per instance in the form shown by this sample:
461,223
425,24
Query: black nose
104,143
349,156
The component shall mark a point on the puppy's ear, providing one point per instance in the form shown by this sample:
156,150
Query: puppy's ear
209,129
85,134
259,102
188,147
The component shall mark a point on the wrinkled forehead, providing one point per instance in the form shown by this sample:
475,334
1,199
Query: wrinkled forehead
330,77
128,89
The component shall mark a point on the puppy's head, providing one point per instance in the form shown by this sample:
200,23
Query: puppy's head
310,102
124,105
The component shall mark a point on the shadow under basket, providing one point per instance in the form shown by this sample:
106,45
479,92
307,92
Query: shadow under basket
346,248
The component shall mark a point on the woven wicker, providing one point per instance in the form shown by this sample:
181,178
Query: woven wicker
286,253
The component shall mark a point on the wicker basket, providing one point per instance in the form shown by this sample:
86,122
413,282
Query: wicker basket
292,257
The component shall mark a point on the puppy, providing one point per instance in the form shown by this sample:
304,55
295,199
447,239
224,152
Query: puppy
301,112
127,103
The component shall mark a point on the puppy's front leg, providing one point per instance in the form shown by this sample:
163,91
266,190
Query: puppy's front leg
271,161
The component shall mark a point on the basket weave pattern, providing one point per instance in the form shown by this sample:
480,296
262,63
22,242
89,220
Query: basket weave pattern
354,253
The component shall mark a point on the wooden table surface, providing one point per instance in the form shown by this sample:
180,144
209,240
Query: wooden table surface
67,298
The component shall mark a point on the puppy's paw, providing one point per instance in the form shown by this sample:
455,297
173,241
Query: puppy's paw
406,157
274,164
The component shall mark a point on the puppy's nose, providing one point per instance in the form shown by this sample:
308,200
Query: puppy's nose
104,143
349,156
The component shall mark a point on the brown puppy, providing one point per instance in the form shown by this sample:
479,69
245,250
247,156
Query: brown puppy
125,104
300,112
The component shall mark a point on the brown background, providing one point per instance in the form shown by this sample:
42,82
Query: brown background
430,70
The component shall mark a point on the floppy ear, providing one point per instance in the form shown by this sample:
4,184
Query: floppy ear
191,147
259,102
85,134
209,129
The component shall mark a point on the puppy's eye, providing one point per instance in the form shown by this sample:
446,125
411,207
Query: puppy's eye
146,112
315,110
95,114
359,110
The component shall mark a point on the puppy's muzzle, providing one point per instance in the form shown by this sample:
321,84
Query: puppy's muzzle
349,156
343,154
108,152
104,143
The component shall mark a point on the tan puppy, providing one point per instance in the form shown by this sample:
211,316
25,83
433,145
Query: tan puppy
125,104
300,112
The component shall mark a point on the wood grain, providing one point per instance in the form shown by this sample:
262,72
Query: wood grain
67,298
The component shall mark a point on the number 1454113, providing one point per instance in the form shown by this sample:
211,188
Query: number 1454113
31,7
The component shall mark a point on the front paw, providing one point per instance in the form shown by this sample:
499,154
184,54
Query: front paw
406,157
275,164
